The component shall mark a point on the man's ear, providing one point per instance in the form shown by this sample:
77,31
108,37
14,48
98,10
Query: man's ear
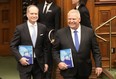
79,19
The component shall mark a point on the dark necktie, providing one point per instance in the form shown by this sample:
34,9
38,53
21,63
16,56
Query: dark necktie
45,10
76,40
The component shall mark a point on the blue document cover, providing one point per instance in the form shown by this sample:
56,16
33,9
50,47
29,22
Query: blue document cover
66,57
27,52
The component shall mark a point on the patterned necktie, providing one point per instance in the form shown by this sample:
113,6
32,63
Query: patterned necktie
33,35
45,10
76,40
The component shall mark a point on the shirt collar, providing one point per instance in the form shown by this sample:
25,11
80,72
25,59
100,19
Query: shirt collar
31,24
77,6
78,29
48,3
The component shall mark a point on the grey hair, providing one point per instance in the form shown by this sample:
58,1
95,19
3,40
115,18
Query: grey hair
74,11
28,7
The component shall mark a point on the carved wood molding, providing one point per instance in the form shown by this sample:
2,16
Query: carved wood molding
105,2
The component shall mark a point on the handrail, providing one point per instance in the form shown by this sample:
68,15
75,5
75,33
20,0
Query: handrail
108,74
110,33
102,26
105,23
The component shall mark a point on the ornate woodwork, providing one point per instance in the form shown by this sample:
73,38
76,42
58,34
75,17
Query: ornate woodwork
7,23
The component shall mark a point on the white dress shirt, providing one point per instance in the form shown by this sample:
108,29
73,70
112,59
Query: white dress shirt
31,26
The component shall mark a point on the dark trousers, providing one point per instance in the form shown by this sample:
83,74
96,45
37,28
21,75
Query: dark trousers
48,74
77,77
34,71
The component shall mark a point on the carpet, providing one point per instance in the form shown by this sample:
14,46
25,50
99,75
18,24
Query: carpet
8,69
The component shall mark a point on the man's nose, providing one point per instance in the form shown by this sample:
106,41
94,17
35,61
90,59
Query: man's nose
71,20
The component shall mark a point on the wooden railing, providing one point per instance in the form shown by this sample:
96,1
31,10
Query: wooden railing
107,74
110,38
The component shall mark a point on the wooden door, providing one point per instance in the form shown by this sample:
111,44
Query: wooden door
7,24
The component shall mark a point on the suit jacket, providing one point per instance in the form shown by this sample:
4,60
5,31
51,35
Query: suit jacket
82,57
52,18
22,37
85,16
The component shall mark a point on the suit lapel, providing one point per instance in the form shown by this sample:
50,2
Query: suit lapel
82,37
69,36
41,7
51,8
38,33
26,32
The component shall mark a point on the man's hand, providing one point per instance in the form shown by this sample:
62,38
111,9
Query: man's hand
45,68
62,66
24,61
98,71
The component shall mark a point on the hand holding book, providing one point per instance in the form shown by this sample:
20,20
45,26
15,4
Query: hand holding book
62,66
27,54
24,61
66,57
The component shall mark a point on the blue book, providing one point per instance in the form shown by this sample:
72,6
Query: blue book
66,57
27,52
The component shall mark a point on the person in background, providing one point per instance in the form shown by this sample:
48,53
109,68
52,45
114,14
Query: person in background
23,35
82,45
50,15
85,16
34,2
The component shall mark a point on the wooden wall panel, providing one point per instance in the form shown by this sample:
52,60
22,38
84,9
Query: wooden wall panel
18,12
5,36
105,46
104,0
90,6
103,18
103,13
60,3
65,5
7,24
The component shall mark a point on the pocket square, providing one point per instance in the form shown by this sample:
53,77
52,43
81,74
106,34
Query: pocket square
41,34
49,11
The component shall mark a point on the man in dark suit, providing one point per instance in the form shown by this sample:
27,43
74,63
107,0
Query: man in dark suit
85,16
81,53
23,36
51,17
